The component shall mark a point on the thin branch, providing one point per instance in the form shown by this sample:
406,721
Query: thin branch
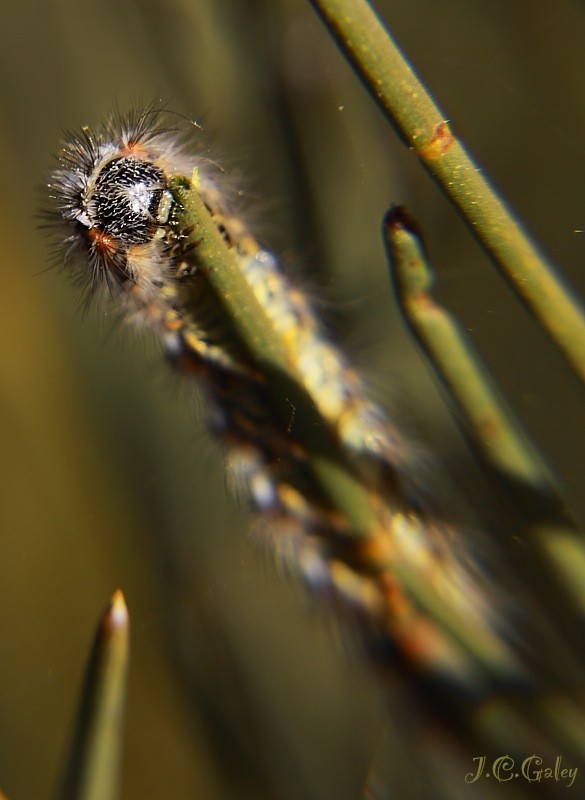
94,761
423,127
269,351
497,438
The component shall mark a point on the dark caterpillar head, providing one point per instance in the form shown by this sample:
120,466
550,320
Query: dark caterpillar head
110,195
126,201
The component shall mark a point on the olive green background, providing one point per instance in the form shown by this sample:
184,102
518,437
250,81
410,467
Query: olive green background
239,688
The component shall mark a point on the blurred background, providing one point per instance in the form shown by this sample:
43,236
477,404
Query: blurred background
238,687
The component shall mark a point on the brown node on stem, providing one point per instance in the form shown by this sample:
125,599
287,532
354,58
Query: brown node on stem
440,143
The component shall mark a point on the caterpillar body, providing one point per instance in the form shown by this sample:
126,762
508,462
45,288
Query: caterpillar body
122,228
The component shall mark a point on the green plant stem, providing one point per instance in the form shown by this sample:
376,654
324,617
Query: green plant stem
94,761
422,125
252,324
453,359
482,650
496,436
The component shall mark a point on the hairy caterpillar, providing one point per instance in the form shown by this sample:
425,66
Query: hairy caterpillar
122,229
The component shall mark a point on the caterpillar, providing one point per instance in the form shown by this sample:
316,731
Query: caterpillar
118,211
